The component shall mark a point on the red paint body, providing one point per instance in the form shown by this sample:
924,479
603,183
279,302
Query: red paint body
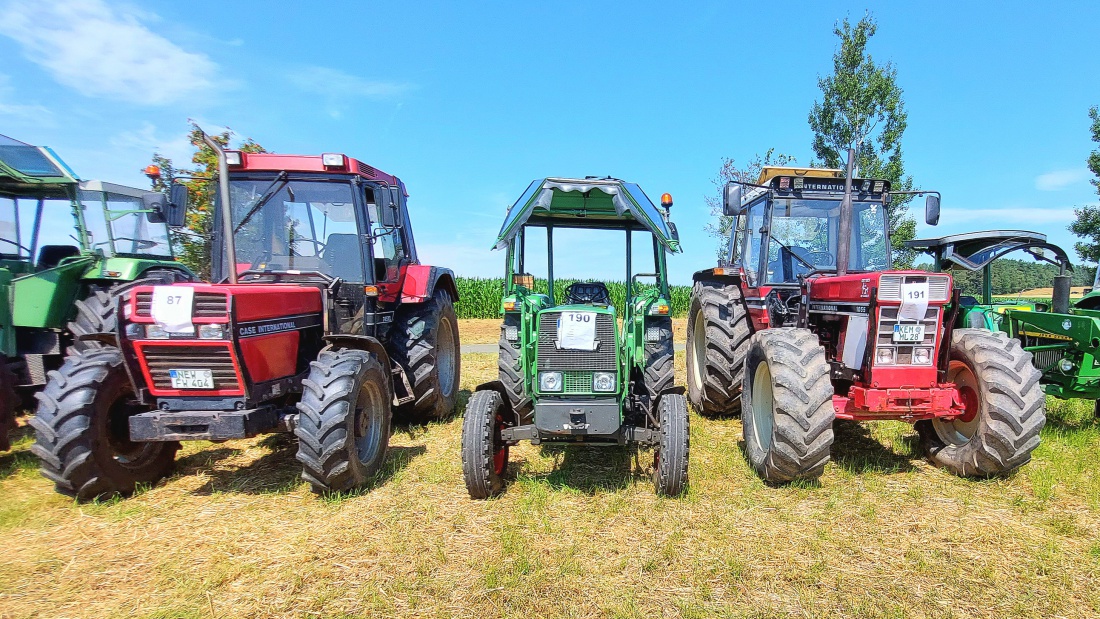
310,163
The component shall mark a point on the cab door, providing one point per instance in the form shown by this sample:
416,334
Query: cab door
388,247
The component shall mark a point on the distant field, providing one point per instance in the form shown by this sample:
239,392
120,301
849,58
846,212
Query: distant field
579,533
481,297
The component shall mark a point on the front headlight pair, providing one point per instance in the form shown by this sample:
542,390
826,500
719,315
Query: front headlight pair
210,331
553,382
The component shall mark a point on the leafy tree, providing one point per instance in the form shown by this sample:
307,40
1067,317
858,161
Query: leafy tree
729,171
1087,224
862,109
193,247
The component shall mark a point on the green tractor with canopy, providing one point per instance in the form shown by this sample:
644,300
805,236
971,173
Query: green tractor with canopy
66,248
1063,338
581,371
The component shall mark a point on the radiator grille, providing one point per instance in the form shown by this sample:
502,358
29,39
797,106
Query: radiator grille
578,382
889,286
550,358
160,359
207,305
888,317
1044,359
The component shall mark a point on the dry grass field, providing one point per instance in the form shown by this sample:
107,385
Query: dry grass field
578,533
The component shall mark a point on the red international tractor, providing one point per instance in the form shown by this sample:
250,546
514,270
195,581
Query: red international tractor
323,323
803,323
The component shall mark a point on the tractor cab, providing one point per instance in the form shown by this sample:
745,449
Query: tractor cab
577,364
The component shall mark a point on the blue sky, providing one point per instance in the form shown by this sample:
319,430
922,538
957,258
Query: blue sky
469,102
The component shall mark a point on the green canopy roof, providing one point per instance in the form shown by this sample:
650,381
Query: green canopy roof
605,203
32,169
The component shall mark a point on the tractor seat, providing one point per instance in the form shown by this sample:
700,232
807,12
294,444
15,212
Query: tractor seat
594,293
52,255
344,257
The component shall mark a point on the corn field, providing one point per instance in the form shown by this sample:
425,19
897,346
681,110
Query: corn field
481,297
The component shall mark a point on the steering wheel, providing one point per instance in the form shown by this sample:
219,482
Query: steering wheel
141,243
820,258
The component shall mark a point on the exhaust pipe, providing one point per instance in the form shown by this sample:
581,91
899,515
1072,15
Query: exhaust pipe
1060,301
226,209
844,243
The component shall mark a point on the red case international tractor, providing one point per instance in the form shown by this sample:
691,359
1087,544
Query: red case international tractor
804,324
324,320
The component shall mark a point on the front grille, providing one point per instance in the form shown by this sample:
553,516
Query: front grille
1045,359
207,305
578,382
888,317
889,286
551,358
218,359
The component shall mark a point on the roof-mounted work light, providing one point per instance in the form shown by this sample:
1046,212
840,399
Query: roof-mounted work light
233,157
333,160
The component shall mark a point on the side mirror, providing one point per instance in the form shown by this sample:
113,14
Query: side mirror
153,203
732,202
177,205
388,213
932,209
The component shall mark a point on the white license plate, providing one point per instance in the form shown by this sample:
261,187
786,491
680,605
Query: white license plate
192,379
908,333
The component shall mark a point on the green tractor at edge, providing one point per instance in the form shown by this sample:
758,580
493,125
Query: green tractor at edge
576,372
52,294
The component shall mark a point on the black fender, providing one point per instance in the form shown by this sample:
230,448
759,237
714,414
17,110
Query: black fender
371,345
496,385
722,275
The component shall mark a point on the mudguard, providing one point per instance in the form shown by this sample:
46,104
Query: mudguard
421,280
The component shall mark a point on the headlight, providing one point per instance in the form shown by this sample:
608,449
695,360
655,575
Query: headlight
603,381
922,356
550,381
653,334
1066,365
884,356
511,333
155,332
214,331
134,331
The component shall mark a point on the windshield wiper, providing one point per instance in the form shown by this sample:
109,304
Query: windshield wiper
267,195
794,255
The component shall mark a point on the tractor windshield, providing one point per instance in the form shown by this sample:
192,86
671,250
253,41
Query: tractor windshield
19,219
804,236
119,224
296,225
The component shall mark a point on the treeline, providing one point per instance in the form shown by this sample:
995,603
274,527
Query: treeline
1013,276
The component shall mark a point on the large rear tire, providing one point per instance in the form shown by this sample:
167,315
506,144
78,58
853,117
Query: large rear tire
510,366
660,365
718,334
484,453
788,405
344,422
1005,407
670,462
426,345
96,312
83,432
9,400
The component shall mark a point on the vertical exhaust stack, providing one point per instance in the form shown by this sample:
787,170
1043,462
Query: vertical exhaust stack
226,208
1060,301
844,240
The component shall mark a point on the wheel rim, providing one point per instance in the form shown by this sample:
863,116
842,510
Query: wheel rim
368,422
500,449
445,357
698,352
762,403
960,430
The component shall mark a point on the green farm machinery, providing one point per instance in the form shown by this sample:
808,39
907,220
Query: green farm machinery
578,372
1063,338
56,286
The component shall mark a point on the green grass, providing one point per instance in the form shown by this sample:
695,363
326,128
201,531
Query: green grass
578,533
481,297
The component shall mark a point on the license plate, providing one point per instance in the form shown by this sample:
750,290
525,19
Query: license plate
908,333
192,379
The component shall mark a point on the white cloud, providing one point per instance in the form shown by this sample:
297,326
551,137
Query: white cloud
106,51
1060,179
143,142
24,111
338,88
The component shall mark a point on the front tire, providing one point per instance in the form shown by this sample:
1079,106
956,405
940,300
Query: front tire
344,422
670,466
96,313
788,405
9,400
83,432
718,334
426,345
510,366
659,373
484,453
1004,408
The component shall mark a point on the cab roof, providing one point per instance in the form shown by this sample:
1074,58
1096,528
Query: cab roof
973,250
601,203
34,170
271,162
769,172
